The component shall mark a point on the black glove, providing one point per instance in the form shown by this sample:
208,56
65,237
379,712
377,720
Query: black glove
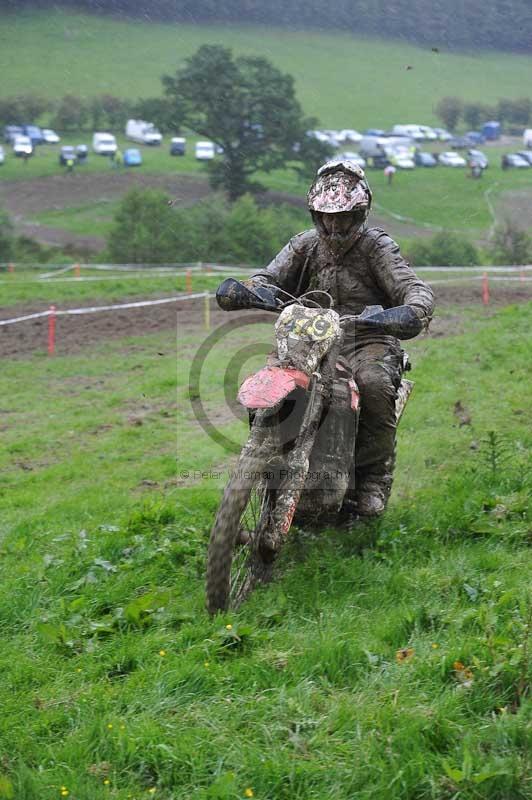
232,295
400,321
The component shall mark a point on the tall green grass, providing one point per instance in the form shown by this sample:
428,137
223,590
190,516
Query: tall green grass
387,662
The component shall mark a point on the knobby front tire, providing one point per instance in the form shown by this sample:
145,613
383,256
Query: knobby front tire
235,563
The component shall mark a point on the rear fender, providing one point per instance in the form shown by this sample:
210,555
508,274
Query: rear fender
266,388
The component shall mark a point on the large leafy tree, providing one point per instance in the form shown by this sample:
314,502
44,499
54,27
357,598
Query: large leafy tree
246,106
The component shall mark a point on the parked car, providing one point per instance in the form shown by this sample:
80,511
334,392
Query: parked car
475,137
348,135
132,157
451,159
350,155
11,132
514,161
205,151
50,136
425,160
178,146
527,137
138,130
526,154
67,153
477,158
104,144
35,134
374,132
459,143
82,153
430,133
442,134
319,135
22,146
417,132
2,155
401,158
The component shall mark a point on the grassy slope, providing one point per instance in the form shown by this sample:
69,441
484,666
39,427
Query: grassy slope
343,80
151,695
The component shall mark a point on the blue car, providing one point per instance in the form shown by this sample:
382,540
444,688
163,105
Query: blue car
475,137
132,157
35,134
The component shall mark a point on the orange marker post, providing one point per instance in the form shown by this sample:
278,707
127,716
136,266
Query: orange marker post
485,289
77,270
10,267
51,331
188,281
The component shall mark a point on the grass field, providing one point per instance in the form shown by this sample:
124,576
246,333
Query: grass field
67,52
394,670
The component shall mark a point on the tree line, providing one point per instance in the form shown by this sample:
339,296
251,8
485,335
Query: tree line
493,24
514,114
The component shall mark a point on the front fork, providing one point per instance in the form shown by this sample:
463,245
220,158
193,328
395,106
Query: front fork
298,461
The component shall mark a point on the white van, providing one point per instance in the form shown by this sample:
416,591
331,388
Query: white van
412,131
104,144
527,137
205,151
143,132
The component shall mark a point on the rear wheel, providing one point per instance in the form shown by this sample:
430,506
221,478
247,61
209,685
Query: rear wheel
237,560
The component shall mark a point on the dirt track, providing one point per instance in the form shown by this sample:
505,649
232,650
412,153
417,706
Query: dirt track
76,333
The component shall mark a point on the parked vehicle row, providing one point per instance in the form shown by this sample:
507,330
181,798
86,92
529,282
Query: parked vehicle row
36,134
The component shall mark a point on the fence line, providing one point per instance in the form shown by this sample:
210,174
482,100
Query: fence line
95,309
205,267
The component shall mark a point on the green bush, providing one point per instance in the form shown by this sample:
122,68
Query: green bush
443,250
147,229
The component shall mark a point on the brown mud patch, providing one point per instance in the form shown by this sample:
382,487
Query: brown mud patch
80,332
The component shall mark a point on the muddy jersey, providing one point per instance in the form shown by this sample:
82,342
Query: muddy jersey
371,272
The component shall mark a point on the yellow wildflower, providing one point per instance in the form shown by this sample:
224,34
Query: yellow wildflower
162,653
434,645
110,726
249,792
229,627
404,654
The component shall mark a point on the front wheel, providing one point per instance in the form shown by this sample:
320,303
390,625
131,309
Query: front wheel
237,561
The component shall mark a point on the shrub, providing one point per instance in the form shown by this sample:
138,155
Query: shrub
443,250
511,245
147,229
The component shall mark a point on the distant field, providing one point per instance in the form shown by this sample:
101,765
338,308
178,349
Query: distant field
343,80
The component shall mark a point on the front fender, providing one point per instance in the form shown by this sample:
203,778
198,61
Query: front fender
270,385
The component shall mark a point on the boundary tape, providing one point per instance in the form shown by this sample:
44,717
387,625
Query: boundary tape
95,309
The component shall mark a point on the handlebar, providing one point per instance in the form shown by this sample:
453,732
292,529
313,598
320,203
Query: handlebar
401,322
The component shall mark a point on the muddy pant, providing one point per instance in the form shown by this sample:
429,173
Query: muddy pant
377,367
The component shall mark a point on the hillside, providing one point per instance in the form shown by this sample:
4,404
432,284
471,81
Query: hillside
341,79
390,671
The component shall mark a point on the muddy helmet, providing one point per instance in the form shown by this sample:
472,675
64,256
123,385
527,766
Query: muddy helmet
340,185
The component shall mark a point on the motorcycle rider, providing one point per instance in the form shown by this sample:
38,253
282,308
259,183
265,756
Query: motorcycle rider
359,266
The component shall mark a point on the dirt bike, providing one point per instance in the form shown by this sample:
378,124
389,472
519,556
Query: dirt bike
304,408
